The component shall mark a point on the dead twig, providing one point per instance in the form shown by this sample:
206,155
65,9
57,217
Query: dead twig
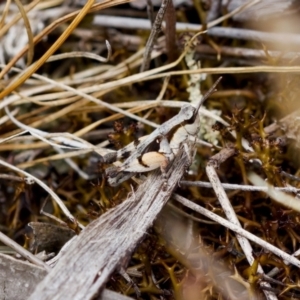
246,53
225,32
156,29
22,251
241,187
170,32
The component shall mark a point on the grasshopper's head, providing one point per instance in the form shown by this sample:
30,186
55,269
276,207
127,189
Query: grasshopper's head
188,111
193,115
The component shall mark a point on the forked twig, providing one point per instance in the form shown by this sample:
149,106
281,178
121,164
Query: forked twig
213,163
237,229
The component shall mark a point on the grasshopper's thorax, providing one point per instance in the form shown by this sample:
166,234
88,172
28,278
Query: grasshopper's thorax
183,133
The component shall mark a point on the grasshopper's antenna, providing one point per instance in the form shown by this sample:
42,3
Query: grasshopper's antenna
208,93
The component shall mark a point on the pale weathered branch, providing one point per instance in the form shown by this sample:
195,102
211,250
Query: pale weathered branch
19,278
106,244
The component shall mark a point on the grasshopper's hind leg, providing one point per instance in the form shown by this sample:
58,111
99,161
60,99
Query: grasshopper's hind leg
165,149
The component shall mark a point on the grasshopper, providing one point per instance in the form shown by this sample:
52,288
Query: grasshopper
170,136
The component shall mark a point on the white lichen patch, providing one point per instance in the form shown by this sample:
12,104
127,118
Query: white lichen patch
194,89
206,132
16,37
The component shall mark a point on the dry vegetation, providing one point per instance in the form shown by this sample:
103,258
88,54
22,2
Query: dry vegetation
79,80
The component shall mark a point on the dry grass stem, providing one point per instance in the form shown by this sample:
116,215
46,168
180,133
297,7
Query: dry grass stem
230,213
